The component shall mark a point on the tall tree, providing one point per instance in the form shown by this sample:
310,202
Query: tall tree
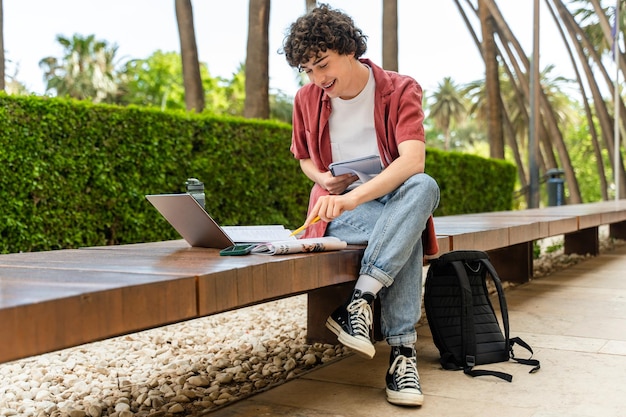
390,35
310,4
586,106
1,48
516,64
86,71
547,116
156,81
257,104
588,55
492,80
194,93
448,107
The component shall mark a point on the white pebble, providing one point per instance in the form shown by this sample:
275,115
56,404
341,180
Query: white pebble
217,358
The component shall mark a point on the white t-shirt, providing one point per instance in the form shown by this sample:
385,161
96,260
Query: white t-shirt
351,123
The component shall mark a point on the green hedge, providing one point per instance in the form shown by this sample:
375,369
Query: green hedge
471,184
74,174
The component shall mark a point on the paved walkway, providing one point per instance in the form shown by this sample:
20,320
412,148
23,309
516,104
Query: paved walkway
575,320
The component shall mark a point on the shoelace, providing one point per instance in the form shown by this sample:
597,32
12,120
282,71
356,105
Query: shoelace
405,370
360,317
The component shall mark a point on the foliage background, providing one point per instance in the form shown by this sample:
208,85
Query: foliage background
75,174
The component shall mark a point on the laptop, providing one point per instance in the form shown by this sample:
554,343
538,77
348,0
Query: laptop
199,229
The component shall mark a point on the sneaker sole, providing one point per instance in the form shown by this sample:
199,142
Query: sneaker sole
412,398
363,348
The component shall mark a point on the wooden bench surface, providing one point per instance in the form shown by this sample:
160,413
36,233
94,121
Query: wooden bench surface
58,299
493,230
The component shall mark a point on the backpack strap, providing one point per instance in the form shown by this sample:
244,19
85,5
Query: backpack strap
467,322
504,312
530,362
467,316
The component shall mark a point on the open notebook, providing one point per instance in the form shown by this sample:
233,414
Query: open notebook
198,228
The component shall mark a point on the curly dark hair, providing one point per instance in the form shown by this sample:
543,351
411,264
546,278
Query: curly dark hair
322,29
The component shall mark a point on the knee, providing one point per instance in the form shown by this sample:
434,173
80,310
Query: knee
425,188
424,183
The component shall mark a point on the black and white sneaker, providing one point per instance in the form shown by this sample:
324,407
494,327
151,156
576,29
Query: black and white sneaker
403,381
352,323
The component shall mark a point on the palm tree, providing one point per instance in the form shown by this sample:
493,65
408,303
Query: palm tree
194,93
492,80
257,103
390,35
518,59
600,30
86,71
588,112
516,65
448,107
586,52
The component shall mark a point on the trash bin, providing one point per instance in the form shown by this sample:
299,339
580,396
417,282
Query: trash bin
556,187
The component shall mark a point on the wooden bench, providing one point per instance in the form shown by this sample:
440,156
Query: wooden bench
58,299
508,236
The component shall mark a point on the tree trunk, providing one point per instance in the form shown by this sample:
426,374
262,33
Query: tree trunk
606,30
545,109
310,5
492,84
588,113
257,104
194,93
602,113
2,86
510,135
602,69
390,35
521,89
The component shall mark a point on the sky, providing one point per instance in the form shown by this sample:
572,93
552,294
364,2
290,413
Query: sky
434,42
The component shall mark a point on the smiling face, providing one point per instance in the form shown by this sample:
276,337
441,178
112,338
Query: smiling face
338,75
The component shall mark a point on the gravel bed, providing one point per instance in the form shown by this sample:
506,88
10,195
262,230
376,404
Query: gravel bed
190,368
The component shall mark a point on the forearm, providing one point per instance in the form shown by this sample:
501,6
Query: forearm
311,171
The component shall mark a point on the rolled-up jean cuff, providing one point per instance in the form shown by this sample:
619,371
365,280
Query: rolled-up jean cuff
377,274
404,339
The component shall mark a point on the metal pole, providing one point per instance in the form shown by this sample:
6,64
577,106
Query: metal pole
616,99
533,142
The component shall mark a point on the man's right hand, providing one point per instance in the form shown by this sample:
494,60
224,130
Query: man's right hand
338,184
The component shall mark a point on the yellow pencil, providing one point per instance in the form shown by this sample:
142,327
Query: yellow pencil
301,228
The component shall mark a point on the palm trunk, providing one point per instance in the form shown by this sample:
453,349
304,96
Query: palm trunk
597,59
194,93
606,30
510,135
602,112
588,113
545,108
390,35
520,85
492,84
257,103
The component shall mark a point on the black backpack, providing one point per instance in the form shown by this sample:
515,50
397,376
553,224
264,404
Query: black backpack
461,317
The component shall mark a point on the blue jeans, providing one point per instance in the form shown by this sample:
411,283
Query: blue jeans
392,227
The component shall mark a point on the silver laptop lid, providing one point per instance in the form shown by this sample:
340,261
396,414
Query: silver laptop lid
190,220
